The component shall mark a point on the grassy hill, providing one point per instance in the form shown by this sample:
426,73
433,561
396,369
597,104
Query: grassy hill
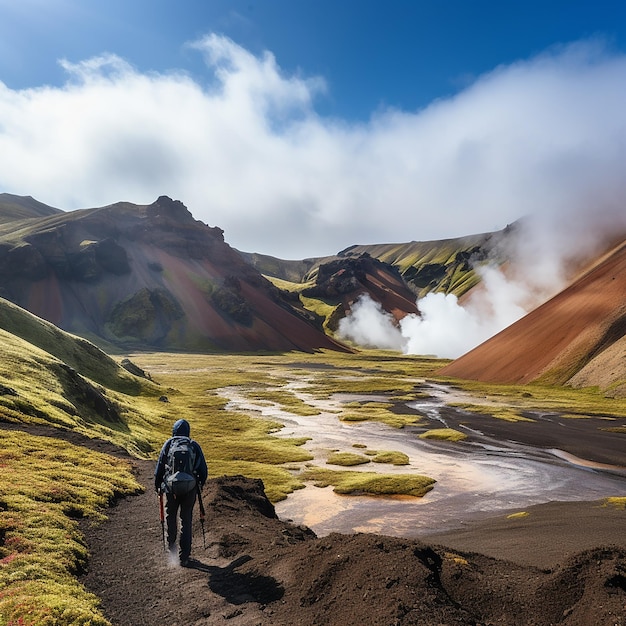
48,376
52,382
22,207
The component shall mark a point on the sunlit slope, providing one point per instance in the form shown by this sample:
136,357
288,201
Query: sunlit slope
445,265
50,377
436,266
75,352
577,336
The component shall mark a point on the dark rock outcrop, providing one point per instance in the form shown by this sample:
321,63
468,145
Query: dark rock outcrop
342,281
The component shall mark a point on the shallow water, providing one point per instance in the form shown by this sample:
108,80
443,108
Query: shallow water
473,479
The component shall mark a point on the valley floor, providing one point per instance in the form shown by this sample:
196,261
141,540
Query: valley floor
551,563
563,563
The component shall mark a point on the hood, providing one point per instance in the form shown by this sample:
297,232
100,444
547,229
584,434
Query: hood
181,429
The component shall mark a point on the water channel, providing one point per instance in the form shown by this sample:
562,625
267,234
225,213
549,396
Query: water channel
473,479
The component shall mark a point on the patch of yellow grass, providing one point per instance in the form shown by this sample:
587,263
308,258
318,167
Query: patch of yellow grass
616,501
376,412
459,560
45,485
346,459
585,402
286,399
616,429
506,413
370,483
444,434
392,457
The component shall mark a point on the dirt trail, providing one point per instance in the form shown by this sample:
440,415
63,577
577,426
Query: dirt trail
259,570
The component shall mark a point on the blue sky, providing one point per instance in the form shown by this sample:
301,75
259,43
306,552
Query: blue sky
372,54
302,127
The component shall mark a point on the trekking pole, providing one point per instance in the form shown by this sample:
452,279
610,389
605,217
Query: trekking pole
162,513
201,505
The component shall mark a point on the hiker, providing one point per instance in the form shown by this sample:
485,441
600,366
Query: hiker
180,473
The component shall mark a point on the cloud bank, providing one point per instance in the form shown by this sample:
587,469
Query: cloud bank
247,151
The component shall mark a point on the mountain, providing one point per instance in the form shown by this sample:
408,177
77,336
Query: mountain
14,208
394,275
145,276
578,337
445,265
333,287
151,276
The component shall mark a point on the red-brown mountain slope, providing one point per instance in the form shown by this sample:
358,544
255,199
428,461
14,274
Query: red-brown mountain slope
148,276
561,340
341,281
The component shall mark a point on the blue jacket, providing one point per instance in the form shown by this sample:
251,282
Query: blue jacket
180,429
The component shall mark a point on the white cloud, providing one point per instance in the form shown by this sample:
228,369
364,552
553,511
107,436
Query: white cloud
247,152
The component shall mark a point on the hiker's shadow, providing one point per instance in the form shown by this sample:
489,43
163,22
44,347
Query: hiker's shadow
239,588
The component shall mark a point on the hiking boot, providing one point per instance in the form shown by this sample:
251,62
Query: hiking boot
185,562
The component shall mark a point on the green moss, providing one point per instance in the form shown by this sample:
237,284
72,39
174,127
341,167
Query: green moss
43,482
346,459
394,458
443,434
370,483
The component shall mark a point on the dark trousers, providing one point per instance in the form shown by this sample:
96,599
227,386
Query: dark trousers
183,505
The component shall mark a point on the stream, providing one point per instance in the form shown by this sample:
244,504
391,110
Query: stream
473,479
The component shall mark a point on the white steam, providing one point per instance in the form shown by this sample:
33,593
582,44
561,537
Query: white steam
368,325
444,327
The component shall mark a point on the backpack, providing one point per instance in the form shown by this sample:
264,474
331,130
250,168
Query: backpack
181,460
